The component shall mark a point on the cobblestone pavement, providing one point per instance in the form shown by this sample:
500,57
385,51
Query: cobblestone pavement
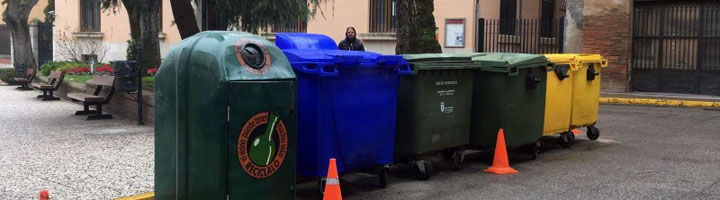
43,145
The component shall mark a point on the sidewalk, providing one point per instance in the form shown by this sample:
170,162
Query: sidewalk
45,146
660,99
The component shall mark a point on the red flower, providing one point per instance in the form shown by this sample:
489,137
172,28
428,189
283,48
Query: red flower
152,71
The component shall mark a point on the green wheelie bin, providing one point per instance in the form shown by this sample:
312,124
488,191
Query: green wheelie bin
434,109
225,120
509,93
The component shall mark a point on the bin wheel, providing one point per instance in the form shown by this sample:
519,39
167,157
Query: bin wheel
567,139
321,185
593,133
458,158
448,154
382,176
425,169
535,149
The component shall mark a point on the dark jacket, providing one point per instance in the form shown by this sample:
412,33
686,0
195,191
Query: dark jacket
352,45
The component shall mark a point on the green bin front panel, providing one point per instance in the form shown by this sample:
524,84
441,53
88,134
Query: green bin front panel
199,82
502,100
433,111
262,167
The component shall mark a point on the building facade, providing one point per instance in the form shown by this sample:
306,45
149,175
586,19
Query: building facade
457,22
82,23
651,45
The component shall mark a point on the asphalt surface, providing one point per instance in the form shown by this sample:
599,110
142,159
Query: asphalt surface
43,145
643,153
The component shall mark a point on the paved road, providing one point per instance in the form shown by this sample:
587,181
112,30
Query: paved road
642,153
44,146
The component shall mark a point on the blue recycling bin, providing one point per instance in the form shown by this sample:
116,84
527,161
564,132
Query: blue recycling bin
347,102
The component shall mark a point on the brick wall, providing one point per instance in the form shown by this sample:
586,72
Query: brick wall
606,30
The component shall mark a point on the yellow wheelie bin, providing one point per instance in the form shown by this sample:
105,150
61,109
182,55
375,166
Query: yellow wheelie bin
575,97
558,100
586,93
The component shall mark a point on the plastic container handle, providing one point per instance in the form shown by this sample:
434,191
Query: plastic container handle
328,70
348,60
388,60
309,68
531,82
404,68
591,73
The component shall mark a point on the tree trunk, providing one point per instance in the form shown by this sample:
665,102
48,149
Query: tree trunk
133,10
16,17
149,26
184,17
416,27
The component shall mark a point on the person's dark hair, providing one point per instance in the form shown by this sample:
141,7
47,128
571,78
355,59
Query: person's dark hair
348,28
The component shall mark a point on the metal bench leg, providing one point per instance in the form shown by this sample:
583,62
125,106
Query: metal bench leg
42,95
98,114
85,111
24,86
49,97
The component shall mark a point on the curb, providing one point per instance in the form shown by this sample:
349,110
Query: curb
659,102
144,196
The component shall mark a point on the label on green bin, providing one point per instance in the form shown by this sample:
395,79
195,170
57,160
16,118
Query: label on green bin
262,145
444,107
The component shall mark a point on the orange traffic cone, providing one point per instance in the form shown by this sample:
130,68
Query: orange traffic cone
44,195
332,186
500,160
576,131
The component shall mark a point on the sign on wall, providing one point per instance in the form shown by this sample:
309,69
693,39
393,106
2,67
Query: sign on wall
455,33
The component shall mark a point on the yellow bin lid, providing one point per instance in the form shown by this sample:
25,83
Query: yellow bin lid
576,59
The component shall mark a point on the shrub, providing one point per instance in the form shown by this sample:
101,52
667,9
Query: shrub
46,68
104,69
148,83
7,75
133,49
78,68
152,71
71,65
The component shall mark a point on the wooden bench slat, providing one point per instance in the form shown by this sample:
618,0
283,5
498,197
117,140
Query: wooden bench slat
42,86
107,81
85,97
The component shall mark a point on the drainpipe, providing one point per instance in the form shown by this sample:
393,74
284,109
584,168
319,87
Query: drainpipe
520,9
475,20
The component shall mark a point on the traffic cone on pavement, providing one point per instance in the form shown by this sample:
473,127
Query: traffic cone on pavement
500,160
332,186
44,195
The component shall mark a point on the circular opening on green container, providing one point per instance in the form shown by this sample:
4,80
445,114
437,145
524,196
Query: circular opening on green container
253,55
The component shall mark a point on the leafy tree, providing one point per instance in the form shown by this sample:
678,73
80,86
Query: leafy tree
144,28
245,15
49,17
416,27
16,17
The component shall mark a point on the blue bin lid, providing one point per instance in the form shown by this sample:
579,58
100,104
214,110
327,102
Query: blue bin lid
326,62
306,41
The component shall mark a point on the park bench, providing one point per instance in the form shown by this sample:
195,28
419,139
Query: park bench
24,81
54,81
104,88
